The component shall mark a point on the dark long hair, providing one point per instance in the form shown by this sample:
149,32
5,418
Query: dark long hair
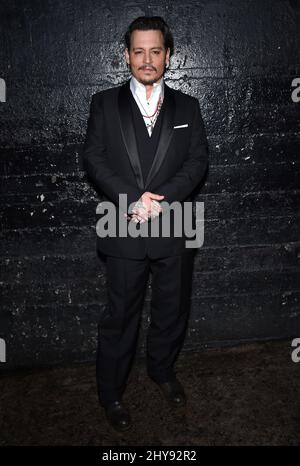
145,23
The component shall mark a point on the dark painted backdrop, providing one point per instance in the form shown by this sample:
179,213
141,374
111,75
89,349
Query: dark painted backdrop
239,59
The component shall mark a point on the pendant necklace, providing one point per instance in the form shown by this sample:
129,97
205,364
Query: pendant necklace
155,114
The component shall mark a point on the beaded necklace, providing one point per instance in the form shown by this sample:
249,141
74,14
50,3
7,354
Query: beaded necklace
155,114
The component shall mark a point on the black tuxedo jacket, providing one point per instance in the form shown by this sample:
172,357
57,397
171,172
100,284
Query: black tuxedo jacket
111,159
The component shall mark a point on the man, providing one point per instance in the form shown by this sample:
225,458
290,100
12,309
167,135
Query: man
147,141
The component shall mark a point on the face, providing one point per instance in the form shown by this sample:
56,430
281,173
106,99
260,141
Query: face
147,56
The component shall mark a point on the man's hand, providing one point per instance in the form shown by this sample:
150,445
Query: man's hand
147,206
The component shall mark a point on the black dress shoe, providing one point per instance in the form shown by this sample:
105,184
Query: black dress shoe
118,416
174,393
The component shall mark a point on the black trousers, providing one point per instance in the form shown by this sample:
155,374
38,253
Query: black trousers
118,328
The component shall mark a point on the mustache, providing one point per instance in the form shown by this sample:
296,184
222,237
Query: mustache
144,67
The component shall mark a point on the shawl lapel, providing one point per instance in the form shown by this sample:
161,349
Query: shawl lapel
128,133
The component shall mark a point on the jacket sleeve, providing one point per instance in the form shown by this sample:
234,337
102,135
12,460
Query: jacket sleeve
180,185
95,159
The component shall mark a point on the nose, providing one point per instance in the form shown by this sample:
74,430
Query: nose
148,59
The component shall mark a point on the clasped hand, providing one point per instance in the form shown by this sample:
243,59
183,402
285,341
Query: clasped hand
146,207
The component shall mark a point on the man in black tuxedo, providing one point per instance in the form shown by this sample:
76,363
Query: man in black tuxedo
147,141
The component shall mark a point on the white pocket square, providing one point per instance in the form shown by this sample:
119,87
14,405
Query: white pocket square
181,126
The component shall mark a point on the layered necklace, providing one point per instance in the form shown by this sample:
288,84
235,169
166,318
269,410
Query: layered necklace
153,117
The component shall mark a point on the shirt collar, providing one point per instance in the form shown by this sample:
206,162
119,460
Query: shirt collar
137,87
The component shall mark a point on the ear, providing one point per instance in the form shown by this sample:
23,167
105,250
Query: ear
127,56
168,55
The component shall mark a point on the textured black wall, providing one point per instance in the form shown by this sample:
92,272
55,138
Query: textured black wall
239,59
